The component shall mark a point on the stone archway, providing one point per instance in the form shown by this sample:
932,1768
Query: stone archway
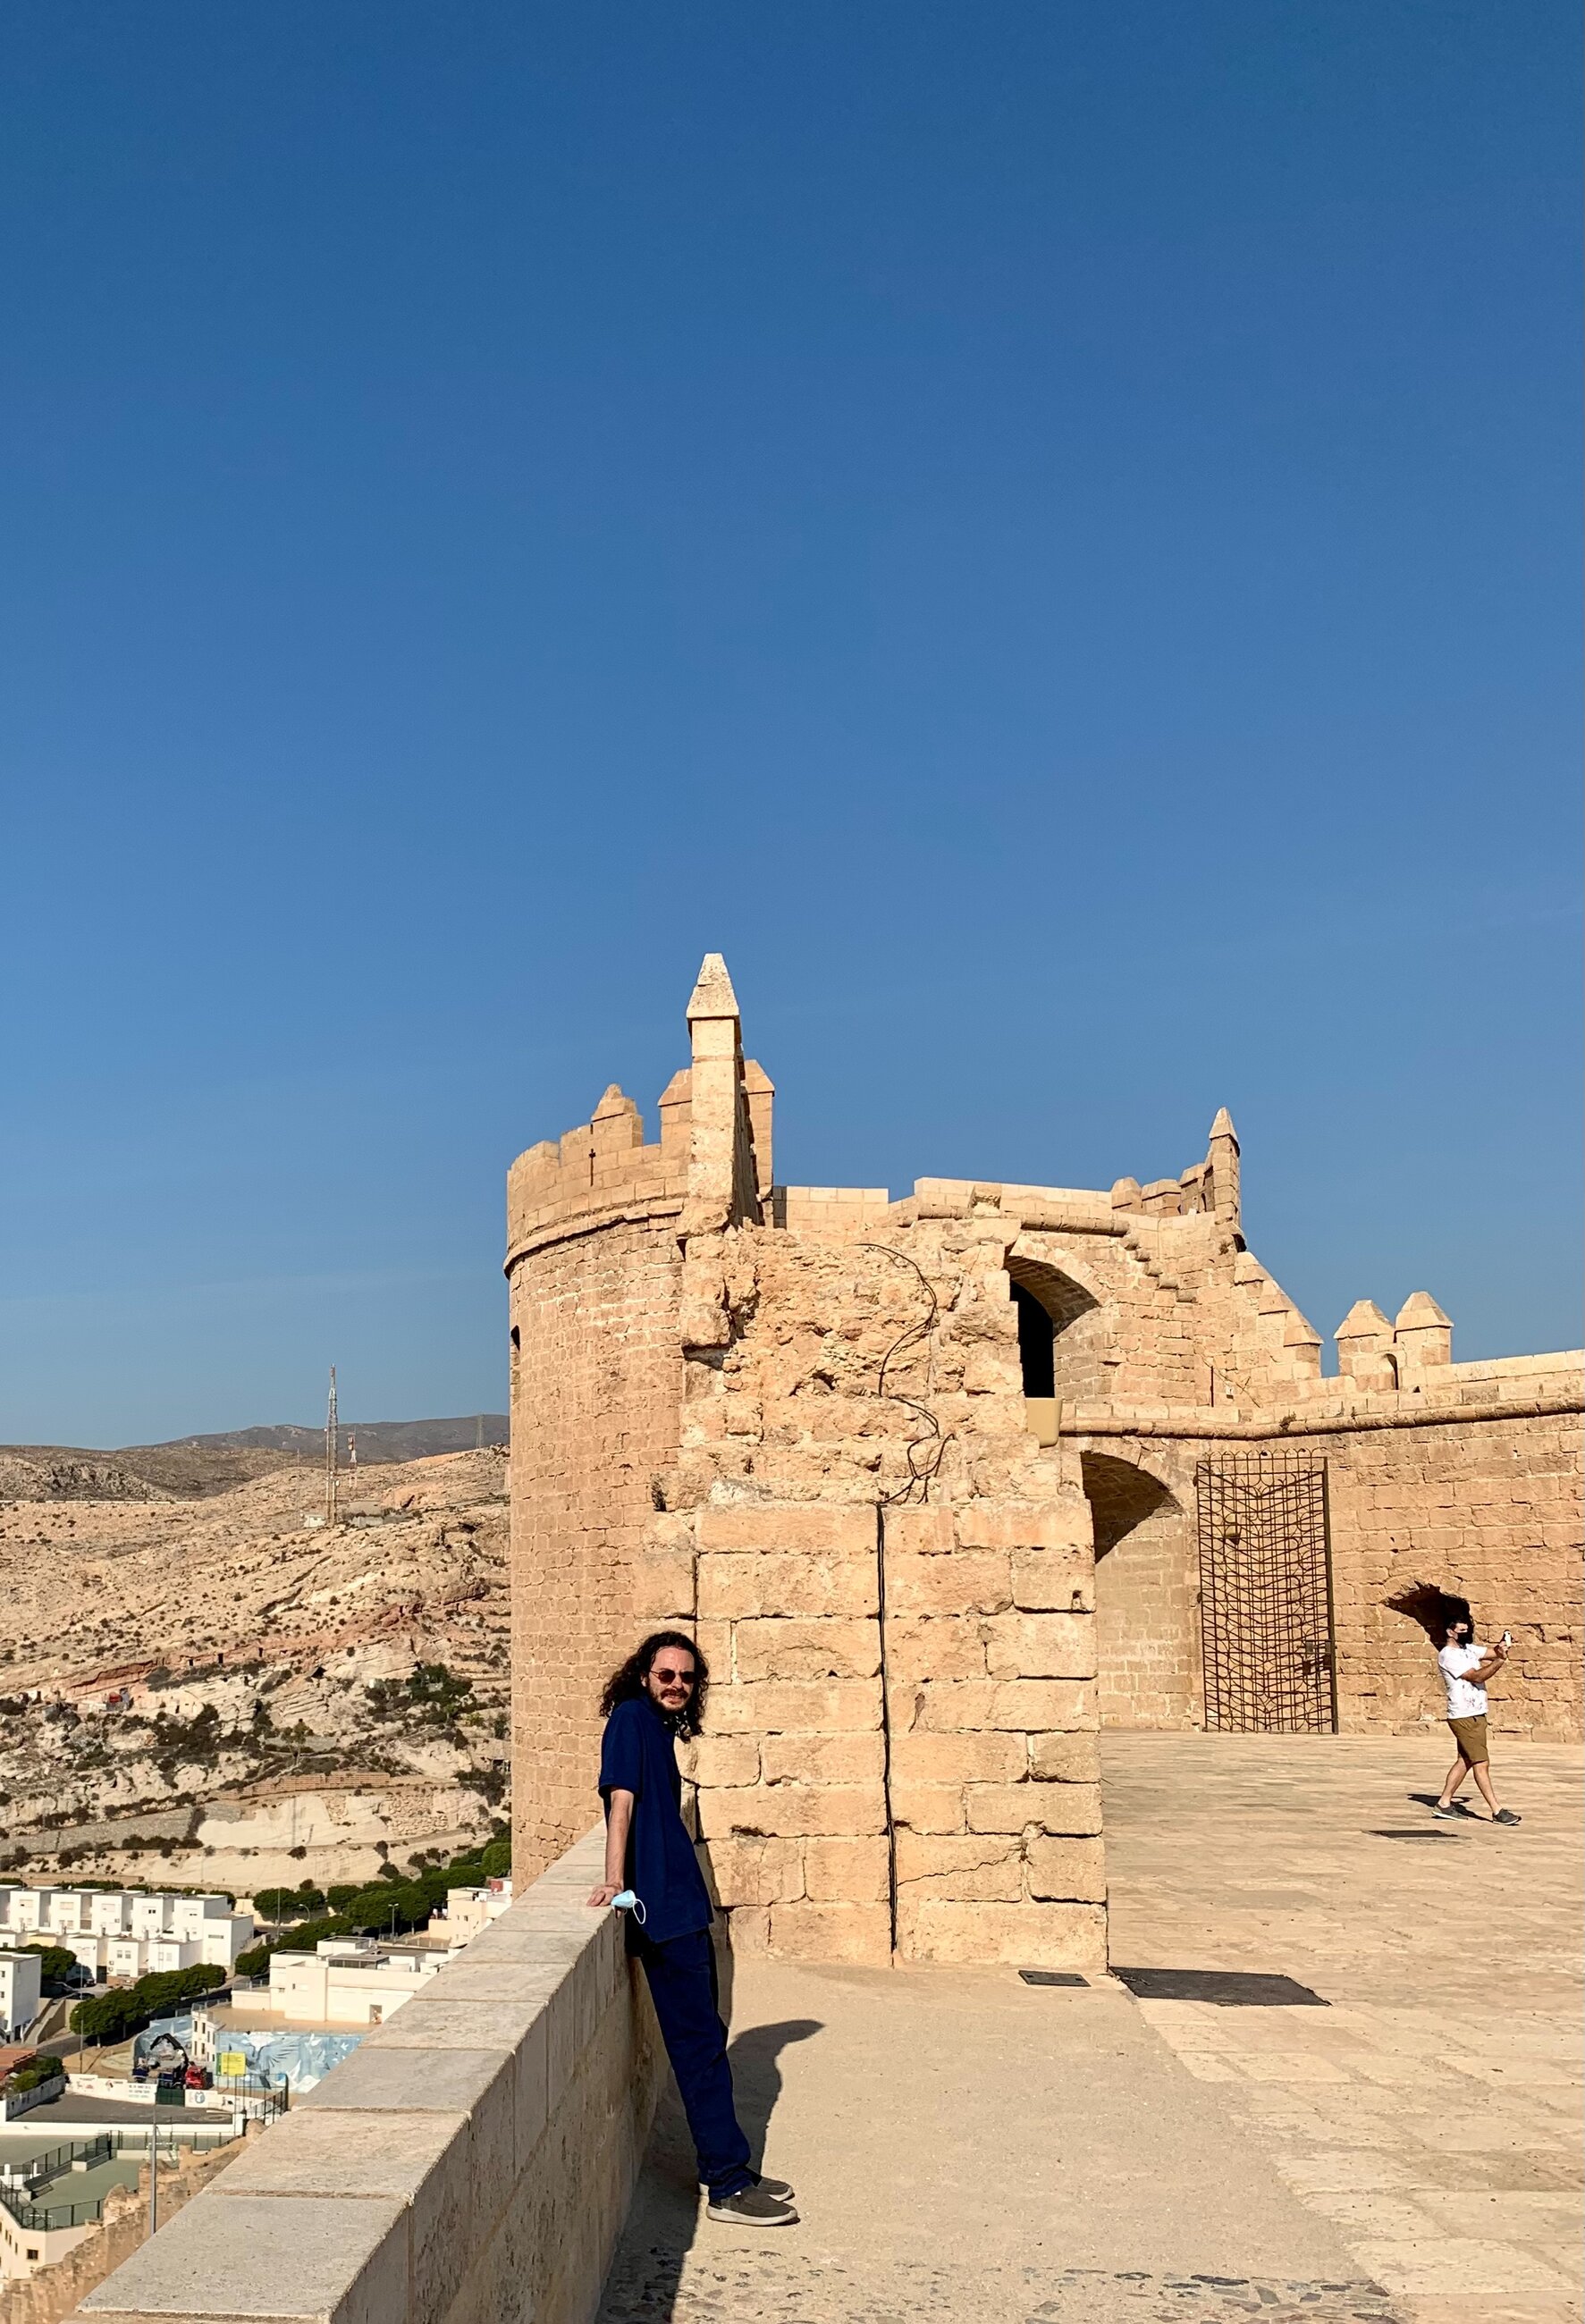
1062,1333
1145,1617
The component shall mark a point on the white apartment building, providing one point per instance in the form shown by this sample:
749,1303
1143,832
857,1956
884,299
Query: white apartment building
469,1910
135,1957
23,1912
151,1916
21,1982
125,1933
87,1951
109,1914
343,1982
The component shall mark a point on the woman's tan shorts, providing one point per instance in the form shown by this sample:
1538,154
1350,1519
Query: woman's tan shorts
1469,1735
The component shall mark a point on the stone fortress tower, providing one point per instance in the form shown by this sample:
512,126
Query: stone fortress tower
941,1485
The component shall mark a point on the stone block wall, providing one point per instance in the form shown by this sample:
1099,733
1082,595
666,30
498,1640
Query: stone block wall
474,2159
900,1753
995,1782
596,1390
1488,1510
1489,1507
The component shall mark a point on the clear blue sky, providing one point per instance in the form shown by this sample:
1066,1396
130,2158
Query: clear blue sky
1046,532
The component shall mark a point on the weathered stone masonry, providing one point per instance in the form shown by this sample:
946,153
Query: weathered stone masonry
883,1459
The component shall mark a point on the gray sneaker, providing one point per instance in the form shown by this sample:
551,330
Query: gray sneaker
780,2188
1507,1815
753,2207
1447,1815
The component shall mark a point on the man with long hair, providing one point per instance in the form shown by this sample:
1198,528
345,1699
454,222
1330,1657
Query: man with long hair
1465,1668
658,1694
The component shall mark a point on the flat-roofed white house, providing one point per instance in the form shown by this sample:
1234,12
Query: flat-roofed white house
20,1984
343,1982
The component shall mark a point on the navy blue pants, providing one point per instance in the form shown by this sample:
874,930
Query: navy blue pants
682,1985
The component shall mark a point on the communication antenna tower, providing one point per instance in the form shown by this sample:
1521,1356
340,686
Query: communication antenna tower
332,1442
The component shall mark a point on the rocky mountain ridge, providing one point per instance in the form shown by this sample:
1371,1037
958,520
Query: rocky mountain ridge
189,1467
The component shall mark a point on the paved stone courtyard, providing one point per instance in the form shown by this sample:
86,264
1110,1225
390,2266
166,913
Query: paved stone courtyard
1341,2080
1434,2109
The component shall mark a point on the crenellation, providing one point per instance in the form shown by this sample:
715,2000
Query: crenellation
1421,1335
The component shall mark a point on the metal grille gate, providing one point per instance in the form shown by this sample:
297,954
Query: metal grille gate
1265,1609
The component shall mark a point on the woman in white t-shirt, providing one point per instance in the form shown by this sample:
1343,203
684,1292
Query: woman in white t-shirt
1465,1668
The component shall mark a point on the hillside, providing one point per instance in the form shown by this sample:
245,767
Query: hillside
194,1466
217,1687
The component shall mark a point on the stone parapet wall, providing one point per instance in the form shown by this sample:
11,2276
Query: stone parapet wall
473,2159
598,1169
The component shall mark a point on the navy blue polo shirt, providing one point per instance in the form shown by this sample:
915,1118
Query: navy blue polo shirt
638,1754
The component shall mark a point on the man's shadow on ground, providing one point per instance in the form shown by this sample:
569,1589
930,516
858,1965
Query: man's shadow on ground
668,2207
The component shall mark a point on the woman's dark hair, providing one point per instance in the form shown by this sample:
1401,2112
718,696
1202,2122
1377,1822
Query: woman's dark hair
1455,1610
627,1685
1435,1609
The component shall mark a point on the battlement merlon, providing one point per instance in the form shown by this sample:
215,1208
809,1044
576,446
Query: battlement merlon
713,1163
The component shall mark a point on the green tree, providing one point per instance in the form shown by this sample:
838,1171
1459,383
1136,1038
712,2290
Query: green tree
105,2016
55,1962
280,1905
127,2009
399,1904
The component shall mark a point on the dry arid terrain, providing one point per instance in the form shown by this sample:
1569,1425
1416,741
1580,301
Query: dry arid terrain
201,1682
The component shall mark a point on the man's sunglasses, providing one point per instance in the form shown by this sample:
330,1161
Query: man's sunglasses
672,1677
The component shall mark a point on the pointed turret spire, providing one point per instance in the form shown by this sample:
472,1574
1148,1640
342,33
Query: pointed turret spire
1223,1191
722,1187
713,996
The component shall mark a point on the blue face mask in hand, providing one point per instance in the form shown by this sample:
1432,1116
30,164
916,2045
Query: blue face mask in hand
626,1901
